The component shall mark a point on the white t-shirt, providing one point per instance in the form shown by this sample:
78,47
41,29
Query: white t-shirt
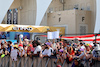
0,46
14,54
54,45
47,52
82,47
82,55
37,49
22,53
1,51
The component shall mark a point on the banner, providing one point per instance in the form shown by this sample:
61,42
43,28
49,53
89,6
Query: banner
53,35
50,35
15,16
29,28
9,16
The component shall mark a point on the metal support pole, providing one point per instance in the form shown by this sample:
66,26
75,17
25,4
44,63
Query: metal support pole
5,61
40,63
87,63
26,62
67,64
55,64
15,63
64,63
19,64
51,62
37,61
60,37
8,62
47,62
12,64
95,39
32,64
1,65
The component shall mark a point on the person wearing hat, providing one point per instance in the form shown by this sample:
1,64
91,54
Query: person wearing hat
77,63
96,52
85,53
82,46
20,51
79,51
61,56
69,54
25,43
47,52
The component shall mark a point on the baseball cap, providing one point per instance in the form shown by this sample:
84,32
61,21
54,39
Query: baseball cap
47,43
15,46
87,45
61,50
20,45
81,49
26,40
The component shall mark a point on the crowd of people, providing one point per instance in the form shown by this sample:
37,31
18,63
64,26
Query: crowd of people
63,50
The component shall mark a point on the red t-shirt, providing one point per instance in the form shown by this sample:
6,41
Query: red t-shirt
72,53
20,45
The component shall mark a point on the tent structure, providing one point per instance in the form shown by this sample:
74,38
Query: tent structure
30,29
97,23
42,6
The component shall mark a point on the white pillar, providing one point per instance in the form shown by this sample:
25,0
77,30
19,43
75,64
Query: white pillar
42,6
97,25
4,6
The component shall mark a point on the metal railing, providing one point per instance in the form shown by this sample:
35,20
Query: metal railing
38,62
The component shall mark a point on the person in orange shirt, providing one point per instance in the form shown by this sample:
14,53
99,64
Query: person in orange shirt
69,53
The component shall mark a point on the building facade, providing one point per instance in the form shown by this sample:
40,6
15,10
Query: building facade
77,16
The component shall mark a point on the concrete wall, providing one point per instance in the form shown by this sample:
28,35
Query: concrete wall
86,16
89,5
72,19
86,5
67,19
28,13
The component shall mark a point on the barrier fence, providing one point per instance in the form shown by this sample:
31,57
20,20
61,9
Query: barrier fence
38,62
